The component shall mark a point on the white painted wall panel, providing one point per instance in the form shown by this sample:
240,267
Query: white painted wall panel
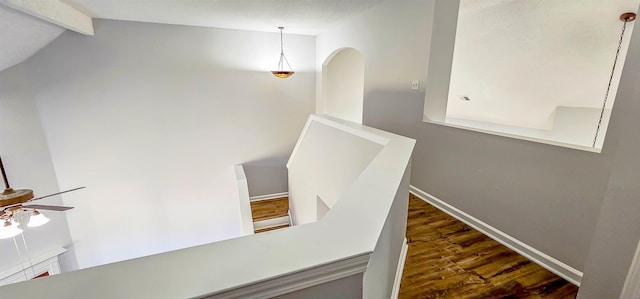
327,162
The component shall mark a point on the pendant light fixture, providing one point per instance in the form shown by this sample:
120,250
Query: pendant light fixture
625,18
281,72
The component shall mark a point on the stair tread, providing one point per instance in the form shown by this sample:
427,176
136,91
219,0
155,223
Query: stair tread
270,208
257,231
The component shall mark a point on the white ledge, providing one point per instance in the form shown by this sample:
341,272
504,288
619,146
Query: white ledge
514,136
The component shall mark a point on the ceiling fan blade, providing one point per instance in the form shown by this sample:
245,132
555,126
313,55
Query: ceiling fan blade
47,207
54,194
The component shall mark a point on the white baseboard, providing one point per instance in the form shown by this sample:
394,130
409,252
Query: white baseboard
403,257
268,196
561,269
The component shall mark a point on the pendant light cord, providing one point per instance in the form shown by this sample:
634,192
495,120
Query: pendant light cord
281,43
283,58
280,72
606,95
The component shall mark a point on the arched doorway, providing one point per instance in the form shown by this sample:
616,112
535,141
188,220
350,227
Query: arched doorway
343,85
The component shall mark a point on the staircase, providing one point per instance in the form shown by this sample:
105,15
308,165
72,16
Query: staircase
270,214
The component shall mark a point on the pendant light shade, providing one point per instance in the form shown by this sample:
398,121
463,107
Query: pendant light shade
37,219
9,230
281,72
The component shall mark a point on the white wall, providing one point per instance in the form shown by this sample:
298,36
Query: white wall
343,85
327,162
440,33
152,118
393,55
26,157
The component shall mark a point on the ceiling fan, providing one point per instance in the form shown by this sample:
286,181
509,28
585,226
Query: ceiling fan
13,211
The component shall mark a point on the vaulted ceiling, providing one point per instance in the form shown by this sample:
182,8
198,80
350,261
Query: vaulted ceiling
21,35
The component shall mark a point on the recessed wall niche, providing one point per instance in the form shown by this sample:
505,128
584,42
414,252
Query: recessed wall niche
533,70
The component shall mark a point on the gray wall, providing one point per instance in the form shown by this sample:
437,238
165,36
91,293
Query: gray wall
26,157
549,197
267,176
618,229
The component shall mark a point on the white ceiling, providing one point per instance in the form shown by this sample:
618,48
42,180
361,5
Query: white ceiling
22,35
298,16
517,60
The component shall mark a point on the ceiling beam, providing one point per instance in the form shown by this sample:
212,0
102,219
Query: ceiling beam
56,12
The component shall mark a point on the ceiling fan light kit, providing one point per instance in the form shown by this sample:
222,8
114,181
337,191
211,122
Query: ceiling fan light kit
281,72
9,230
37,219
15,215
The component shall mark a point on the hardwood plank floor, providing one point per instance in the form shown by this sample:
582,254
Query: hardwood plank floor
257,231
448,259
271,208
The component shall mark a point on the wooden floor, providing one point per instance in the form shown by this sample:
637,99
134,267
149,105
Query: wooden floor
271,208
257,231
448,259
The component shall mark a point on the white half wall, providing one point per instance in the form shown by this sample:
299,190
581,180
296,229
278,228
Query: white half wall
152,119
326,162
246,216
